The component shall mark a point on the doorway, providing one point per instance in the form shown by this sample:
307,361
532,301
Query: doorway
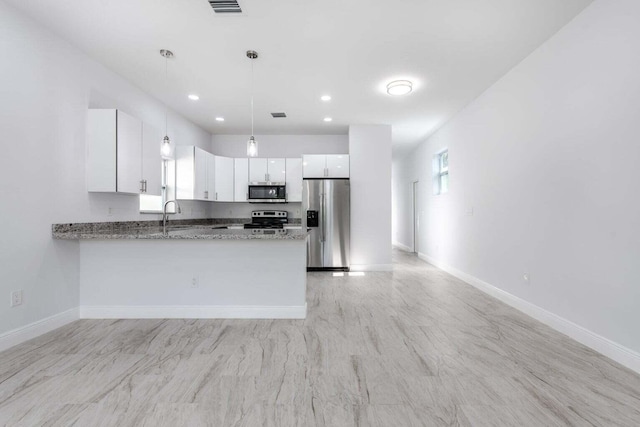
416,215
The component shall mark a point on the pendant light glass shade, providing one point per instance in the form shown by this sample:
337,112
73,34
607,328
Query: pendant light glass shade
166,150
252,147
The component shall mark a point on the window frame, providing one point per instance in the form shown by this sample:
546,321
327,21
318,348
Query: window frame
441,171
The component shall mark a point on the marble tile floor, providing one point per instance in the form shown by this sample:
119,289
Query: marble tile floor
415,347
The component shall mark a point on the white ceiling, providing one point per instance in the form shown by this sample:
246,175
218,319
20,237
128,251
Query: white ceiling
451,49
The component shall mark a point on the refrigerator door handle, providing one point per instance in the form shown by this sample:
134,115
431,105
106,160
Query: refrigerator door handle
323,217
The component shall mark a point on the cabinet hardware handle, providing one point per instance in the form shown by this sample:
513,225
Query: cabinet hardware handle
216,195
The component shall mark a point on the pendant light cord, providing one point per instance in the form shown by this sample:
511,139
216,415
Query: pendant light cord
252,93
166,81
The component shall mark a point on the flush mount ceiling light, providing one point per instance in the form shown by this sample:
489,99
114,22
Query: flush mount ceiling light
194,97
325,98
328,119
219,119
166,149
399,87
252,144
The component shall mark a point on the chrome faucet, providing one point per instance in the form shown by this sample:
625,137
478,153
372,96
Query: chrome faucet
165,214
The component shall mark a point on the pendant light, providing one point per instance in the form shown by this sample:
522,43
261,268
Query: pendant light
166,150
252,144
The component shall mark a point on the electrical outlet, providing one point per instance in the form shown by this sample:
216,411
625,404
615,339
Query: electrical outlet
194,282
526,278
297,212
110,212
16,298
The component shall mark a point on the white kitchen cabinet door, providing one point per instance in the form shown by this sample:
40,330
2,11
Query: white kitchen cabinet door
314,165
114,152
337,166
294,180
241,179
258,170
129,154
224,179
276,170
200,186
151,161
210,192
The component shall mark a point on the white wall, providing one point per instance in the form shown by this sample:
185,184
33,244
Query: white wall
46,86
280,145
370,168
547,158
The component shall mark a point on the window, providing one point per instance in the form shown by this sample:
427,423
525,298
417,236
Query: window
441,169
154,204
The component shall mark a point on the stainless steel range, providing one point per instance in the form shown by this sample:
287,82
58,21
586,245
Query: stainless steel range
268,220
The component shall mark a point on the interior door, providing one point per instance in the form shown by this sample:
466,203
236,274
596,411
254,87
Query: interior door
312,191
337,227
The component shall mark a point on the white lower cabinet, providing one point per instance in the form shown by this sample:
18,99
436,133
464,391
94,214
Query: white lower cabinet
241,179
224,179
294,179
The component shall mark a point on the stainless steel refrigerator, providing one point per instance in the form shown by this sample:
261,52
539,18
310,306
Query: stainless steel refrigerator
326,213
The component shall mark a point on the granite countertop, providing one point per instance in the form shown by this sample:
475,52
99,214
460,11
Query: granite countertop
178,230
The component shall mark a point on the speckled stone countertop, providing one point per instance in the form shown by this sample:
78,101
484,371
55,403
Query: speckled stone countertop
201,229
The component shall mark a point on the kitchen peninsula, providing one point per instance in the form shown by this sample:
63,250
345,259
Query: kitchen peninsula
200,269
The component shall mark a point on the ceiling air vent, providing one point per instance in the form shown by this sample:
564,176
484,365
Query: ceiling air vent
278,115
225,6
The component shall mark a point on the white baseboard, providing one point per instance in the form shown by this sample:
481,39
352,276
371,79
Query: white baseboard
192,312
371,267
621,354
402,247
35,329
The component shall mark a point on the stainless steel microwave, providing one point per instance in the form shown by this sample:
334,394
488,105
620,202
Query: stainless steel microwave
267,192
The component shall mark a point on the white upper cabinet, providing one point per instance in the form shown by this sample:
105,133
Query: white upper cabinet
276,171
314,165
195,173
241,179
267,170
337,166
257,170
294,180
224,179
325,166
114,152
123,154
210,191
128,153
151,177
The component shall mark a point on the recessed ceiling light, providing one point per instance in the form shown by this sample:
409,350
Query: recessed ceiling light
399,87
325,98
194,97
327,119
219,119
